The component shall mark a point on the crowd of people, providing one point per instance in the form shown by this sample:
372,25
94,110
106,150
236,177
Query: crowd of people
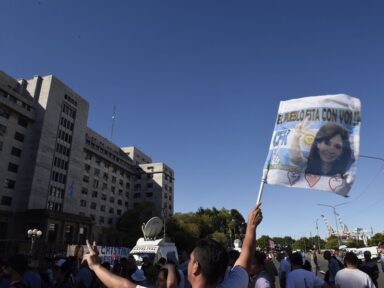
208,265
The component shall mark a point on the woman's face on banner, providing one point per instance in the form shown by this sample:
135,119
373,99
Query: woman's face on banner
330,149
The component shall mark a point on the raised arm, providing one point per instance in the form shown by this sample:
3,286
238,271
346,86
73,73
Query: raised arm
109,279
171,278
249,244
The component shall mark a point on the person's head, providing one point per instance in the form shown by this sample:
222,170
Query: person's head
208,262
296,259
14,267
62,270
367,255
258,262
351,259
330,147
327,255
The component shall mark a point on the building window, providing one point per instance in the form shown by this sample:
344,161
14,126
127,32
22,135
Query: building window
86,179
126,204
111,210
136,195
84,191
8,183
120,202
83,203
137,187
101,219
95,183
118,212
6,200
22,121
93,205
16,152
3,129
104,197
149,194
13,167
102,208
112,200
19,137
4,113
94,194
149,185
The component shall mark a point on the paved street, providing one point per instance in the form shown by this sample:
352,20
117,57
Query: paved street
324,267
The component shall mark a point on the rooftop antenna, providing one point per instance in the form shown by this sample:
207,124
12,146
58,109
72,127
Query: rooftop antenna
113,120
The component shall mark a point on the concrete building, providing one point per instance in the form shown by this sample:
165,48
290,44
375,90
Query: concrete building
60,176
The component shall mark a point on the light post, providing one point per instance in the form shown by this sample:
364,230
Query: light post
335,214
33,234
318,237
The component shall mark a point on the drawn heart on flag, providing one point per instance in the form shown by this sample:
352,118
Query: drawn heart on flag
293,177
312,179
336,183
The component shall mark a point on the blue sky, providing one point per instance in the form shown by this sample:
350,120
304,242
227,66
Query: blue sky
197,85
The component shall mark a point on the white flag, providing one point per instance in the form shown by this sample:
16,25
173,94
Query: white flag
315,143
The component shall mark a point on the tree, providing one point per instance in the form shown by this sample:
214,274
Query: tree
355,243
223,225
301,244
263,242
130,222
288,242
376,239
332,242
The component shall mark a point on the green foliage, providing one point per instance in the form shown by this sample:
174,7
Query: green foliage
301,244
332,243
129,224
288,241
223,225
263,242
376,239
355,244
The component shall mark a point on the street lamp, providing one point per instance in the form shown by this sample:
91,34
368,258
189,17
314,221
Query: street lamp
335,214
33,234
318,237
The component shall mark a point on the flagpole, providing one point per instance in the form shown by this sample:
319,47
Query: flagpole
261,188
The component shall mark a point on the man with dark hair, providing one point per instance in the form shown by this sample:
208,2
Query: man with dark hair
206,267
206,253
333,267
370,267
351,276
259,276
300,277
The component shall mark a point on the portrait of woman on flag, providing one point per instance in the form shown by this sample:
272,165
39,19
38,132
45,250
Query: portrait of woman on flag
331,152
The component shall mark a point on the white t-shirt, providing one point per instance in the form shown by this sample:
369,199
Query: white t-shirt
300,278
262,280
353,278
